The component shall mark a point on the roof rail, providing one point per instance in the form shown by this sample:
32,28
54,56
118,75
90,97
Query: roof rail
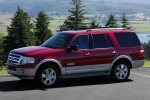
105,29
113,28
98,28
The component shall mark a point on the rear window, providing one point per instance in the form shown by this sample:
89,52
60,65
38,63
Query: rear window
127,39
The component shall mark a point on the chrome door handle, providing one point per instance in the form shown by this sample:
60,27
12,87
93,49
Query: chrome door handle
87,54
113,52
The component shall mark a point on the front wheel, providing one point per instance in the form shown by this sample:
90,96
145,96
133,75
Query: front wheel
47,76
120,71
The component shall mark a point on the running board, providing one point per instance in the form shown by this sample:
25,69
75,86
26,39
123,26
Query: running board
88,74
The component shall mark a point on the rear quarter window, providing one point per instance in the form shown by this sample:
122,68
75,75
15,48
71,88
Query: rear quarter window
127,39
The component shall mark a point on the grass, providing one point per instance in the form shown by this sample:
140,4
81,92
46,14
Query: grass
147,63
141,27
54,25
3,70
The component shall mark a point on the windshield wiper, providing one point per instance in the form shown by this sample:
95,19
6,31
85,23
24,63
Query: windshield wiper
49,46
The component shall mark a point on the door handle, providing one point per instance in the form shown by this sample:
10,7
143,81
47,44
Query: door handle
113,52
87,54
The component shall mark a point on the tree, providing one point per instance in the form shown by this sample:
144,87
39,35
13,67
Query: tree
146,50
65,26
42,32
1,47
112,22
93,24
76,15
125,23
19,32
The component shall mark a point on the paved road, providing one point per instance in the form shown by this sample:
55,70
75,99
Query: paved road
93,88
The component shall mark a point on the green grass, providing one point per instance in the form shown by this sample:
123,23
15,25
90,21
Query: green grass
3,70
142,27
147,63
54,25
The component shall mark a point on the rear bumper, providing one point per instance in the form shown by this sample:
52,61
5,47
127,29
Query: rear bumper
22,73
137,63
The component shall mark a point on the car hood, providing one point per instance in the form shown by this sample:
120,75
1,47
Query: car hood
34,50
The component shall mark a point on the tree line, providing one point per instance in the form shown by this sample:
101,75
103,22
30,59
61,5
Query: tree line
146,50
76,19
24,32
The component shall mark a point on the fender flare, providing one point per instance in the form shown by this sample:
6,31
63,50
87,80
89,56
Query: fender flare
54,61
121,57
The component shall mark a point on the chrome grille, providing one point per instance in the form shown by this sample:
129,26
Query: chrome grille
14,58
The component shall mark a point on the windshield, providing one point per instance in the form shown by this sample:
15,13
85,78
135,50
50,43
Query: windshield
58,41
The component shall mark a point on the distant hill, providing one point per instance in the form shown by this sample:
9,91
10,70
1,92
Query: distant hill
126,1
60,7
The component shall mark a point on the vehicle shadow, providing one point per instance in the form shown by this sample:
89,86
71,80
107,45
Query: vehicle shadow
19,85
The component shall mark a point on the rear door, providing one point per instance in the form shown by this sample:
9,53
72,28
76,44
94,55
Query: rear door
103,52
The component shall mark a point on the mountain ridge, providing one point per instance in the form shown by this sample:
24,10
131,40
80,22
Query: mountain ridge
58,7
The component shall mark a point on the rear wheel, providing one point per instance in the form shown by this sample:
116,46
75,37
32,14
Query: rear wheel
47,76
120,71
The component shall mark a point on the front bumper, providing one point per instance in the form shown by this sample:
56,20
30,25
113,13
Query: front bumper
23,73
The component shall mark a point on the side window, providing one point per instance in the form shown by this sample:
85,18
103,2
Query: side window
100,41
82,41
110,44
127,39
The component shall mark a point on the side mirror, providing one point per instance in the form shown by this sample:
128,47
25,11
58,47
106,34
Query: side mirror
73,48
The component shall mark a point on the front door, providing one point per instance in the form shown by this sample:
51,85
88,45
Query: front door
79,61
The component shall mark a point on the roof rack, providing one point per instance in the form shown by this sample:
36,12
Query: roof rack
99,28
105,29
113,28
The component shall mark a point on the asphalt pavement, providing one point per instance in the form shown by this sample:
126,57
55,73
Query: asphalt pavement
91,88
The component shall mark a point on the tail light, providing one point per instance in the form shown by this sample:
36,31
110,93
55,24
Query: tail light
141,51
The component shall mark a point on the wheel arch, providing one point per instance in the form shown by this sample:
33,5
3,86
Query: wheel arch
122,58
52,62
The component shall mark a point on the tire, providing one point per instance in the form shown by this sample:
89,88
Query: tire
47,76
120,71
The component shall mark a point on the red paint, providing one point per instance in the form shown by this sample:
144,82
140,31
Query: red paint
81,57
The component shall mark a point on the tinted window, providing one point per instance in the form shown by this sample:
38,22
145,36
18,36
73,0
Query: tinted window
100,41
82,41
127,39
110,44
59,40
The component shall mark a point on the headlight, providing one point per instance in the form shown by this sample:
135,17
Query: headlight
27,60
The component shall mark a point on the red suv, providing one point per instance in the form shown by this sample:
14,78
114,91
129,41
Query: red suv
81,53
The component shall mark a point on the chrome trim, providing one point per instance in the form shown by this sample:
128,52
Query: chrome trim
49,76
14,58
70,64
121,71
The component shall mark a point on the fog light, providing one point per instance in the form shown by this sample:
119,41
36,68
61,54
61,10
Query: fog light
22,71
